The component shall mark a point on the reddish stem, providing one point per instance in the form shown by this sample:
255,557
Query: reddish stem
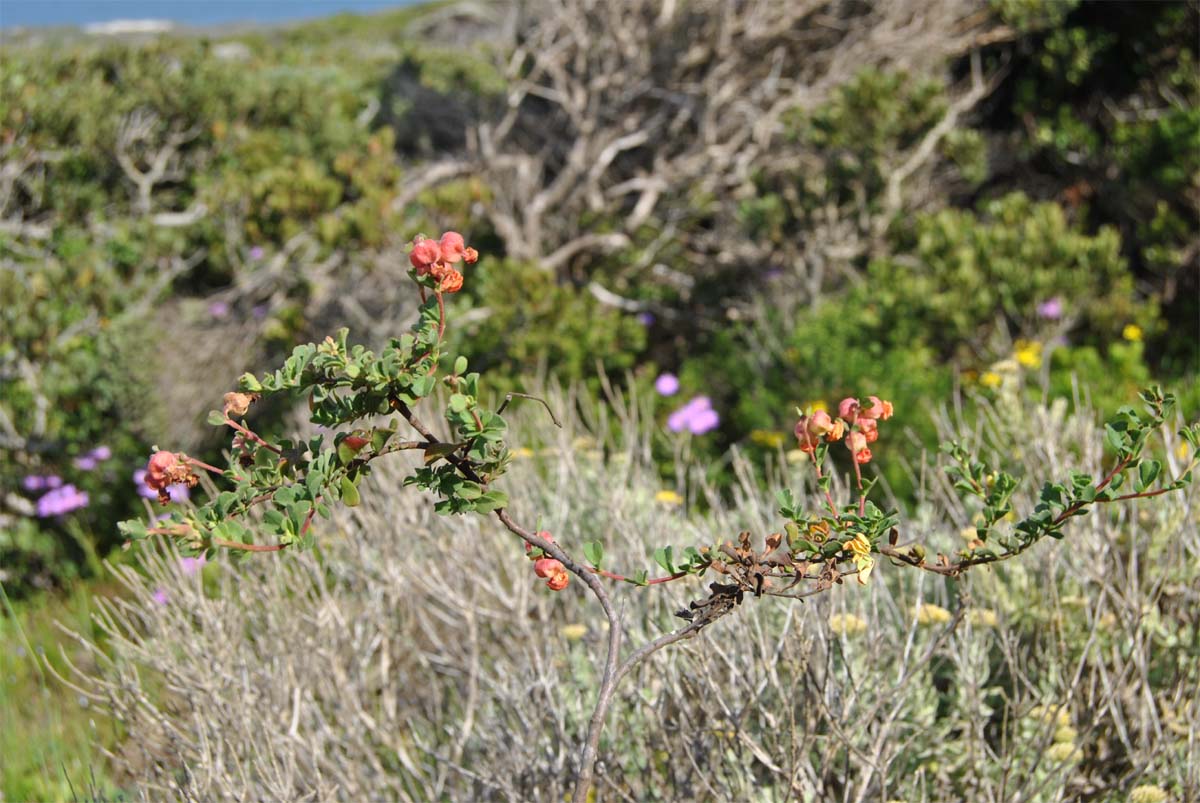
828,497
622,578
205,466
252,436
441,314
247,547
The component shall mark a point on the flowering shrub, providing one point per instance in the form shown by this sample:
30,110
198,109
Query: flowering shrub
294,482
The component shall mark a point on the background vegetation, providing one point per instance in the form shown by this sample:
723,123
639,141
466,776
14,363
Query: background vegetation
999,204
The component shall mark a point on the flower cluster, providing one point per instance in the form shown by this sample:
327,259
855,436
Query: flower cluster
697,417
166,469
61,500
857,424
549,569
435,258
89,460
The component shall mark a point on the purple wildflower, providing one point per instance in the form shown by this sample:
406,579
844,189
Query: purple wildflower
190,566
667,385
84,462
646,318
218,309
52,481
257,252
1051,309
697,417
259,311
33,483
100,453
160,596
60,501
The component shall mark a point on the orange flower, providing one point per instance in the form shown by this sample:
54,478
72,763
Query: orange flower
869,427
553,571
452,281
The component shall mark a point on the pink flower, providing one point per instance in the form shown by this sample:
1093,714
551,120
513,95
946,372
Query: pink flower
878,409
1051,309
848,409
553,571
869,427
697,416
190,566
856,442
453,247
667,384
819,423
424,254
160,596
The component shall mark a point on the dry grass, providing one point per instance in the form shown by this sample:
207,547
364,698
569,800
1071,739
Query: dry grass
415,657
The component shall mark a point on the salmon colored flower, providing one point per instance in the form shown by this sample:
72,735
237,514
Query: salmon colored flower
451,281
553,572
808,443
869,427
839,429
848,409
819,423
470,255
424,254
452,247
237,404
879,409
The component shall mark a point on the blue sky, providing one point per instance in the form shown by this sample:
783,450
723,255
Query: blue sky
189,12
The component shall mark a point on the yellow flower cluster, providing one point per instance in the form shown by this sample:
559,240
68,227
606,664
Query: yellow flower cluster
1132,332
930,614
770,438
847,624
668,498
981,617
1028,353
1147,793
860,549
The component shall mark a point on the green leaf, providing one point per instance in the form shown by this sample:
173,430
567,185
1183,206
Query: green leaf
594,552
216,418
349,492
1148,472
249,383
460,365
437,451
458,403
662,556
492,500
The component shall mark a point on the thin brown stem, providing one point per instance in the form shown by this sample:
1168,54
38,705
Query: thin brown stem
252,436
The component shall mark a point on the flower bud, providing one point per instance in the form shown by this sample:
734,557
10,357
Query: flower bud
452,247
559,581
848,409
878,409
424,253
839,429
470,255
856,442
237,404
869,427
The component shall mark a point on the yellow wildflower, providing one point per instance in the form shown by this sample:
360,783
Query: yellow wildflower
847,624
668,498
1029,353
819,404
522,453
1147,793
1132,332
1063,752
1065,735
1181,451
860,549
1051,713
982,617
770,438
930,614
990,379
573,632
